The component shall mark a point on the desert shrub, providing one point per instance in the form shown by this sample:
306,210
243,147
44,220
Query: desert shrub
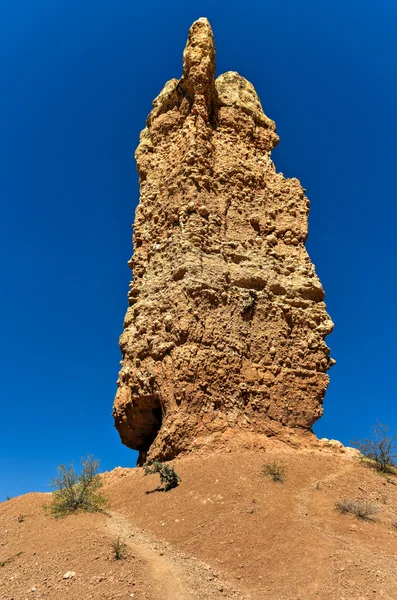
75,492
379,451
358,508
168,477
276,471
119,549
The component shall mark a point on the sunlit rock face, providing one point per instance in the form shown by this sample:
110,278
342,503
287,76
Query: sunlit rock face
226,321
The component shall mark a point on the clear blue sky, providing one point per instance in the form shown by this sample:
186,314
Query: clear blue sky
78,78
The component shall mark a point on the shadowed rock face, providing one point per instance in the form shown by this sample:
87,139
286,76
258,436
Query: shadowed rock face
226,321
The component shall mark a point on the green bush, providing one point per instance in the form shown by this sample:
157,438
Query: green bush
77,492
379,451
168,476
275,471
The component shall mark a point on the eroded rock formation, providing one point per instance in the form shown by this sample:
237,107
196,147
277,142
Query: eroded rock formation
226,321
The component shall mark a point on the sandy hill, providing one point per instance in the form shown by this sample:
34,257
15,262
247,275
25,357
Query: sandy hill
227,531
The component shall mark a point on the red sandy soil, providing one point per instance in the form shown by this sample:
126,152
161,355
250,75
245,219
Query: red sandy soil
227,531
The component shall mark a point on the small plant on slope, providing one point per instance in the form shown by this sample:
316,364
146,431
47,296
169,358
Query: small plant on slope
362,510
275,471
168,477
380,450
77,492
119,549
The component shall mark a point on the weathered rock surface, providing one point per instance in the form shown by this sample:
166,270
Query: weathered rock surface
226,321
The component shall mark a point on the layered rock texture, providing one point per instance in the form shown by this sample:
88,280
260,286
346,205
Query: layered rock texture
226,321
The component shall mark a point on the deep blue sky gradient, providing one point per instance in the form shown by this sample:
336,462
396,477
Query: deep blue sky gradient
78,78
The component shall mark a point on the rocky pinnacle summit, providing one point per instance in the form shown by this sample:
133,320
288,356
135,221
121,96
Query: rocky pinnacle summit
224,334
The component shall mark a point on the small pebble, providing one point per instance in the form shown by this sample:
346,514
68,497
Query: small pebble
69,574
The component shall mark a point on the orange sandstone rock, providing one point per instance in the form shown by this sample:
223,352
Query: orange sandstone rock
226,321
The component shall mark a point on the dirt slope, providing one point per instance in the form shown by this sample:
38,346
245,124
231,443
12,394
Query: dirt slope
226,532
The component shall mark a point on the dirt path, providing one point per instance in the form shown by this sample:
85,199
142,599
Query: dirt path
302,498
172,575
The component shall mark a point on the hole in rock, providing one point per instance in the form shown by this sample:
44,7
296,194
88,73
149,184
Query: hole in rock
152,417
139,423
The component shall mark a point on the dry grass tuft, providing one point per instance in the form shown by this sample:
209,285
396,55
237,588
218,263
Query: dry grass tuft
358,508
276,471
119,549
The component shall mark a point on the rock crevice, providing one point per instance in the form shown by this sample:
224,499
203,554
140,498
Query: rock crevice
226,321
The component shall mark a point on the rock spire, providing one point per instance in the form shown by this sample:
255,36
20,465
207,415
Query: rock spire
224,333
